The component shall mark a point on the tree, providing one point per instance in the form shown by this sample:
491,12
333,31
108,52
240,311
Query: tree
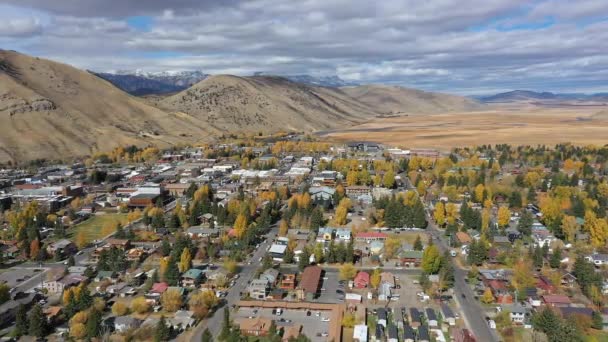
504,216
139,305
342,211
349,320
93,326
21,327
37,322
556,258
240,225
171,300
375,278
78,331
207,337
487,296
597,228
523,277
439,214
172,273
226,325
569,227
304,259
418,244
391,247
185,261
165,247
451,213
161,332
389,179
120,308
347,272
525,223
5,293
202,302
431,260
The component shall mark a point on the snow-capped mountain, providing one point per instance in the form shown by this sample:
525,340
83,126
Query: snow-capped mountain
322,81
139,82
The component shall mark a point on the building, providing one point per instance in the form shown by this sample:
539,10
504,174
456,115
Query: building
255,326
288,282
370,236
125,323
192,277
259,289
360,333
309,285
358,190
361,280
62,247
448,315
556,300
277,252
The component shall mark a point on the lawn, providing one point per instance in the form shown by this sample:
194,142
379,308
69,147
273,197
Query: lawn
92,229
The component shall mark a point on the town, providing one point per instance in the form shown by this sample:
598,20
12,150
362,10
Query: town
288,238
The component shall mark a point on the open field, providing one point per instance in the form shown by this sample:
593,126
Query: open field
514,124
92,229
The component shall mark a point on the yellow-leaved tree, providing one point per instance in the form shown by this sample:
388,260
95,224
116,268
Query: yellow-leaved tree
439,213
504,216
240,225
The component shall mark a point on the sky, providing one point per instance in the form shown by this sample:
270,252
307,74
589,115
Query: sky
463,47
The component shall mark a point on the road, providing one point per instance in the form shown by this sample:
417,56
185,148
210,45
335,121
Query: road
473,313
214,323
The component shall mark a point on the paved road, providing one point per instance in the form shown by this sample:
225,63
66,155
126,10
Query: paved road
214,323
473,313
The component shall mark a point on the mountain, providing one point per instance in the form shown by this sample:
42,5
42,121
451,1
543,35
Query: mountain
141,83
266,103
321,81
52,110
397,100
533,96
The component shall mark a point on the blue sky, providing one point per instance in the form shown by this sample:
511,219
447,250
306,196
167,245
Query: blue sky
471,47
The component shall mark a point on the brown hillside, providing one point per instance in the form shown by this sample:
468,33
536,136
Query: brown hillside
266,103
52,110
399,100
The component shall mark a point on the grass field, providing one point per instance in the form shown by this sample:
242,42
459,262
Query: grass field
92,229
519,125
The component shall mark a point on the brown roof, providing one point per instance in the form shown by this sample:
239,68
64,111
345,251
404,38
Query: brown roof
310,279
463,237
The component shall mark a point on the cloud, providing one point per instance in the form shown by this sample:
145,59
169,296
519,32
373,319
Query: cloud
436,45
20,27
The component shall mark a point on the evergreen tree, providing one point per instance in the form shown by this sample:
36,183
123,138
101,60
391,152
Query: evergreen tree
172,273
21,327
418,244
165,247
71,261
419,215
226,326
350,252
304,259
207,337
596,321
93,324
525,223
162,332
37,322
556,258
537,257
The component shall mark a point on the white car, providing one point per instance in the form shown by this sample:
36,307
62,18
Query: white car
324,319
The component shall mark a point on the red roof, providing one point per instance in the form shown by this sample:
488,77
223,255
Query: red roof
556,299
159,287
362,279
371,235
310,279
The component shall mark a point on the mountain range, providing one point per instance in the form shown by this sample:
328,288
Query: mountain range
140,83
532,96
52,110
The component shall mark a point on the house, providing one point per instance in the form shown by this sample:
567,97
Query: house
62,247
415,318
464,335
568,280
106,275
135,254
518,314
379,336
408,334
309,285
361,280
192,277
360,333
125,323
431,318
556,300
321,193
382,317
255,326
122,244
423,334
288,281
393,334
343,234
197,232
325,234
384,292
358,190
370,236
463,238
448,315
277,252
387,278
545,284
182,320
52,314
271,275
159,288
411,258
259,288
598,259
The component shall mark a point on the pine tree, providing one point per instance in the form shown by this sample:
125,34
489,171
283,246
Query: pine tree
93,324
37,322
304,259
165,247
226,325
556,258
418,244
207,337
162,332
172,273
21,321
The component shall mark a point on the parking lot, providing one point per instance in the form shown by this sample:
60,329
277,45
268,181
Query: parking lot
16,276
312,326
329,285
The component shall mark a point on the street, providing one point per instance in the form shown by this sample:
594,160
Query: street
215,322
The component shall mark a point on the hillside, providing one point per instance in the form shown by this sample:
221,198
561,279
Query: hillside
51,110
399,100
266,103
